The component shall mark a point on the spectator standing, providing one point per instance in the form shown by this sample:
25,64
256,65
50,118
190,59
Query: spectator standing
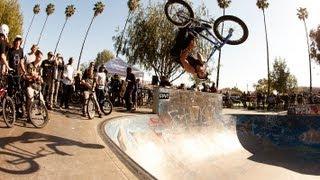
67,81
213,88
131,80
88,83
29,58
101,84
4,32
15,55
59,67
47,67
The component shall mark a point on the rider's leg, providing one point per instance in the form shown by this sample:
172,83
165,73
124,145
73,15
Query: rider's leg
86,95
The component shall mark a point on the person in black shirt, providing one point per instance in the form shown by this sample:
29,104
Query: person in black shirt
48,67
182,49
128,96
15,55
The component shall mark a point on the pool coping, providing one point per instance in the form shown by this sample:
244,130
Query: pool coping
133,166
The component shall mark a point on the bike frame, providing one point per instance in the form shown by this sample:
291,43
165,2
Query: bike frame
217,44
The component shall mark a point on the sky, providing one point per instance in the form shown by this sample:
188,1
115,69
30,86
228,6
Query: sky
242,65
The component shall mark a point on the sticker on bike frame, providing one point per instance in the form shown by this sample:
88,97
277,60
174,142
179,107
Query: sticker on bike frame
164,95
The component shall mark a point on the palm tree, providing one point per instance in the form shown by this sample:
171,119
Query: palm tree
303,15
36,10
70,10
49,10
132,5
98,9
223,4
263,5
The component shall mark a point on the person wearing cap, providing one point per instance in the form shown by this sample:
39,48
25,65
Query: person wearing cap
67,84
16,56
47,73
29,58
4,32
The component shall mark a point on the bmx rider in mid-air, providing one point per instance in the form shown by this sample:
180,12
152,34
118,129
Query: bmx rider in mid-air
182,50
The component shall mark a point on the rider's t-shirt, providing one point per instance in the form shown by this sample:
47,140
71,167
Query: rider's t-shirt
182,41
14,57
3,47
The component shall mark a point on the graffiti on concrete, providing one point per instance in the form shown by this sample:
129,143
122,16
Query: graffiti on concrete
301,133
304,110
188,107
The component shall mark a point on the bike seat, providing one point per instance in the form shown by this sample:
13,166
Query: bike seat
207,26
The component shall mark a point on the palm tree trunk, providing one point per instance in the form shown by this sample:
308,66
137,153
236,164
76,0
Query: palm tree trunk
308,43
60,35
219,58
122,34
267,45
84,41
26,38
41,33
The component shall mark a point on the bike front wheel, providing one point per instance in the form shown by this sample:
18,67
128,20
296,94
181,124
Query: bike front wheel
226,24
178,12
107,107
9,111
91,107
38,114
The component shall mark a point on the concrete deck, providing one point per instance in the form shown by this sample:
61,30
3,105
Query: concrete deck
69,147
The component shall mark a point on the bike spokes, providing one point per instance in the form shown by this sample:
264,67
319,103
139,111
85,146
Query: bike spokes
230,30
179,12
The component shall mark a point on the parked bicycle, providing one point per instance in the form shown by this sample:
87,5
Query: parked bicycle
92,107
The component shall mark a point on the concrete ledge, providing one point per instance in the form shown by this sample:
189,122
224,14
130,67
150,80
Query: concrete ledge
187,106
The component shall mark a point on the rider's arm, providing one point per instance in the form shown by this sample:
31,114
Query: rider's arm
21,66
4,60
183,59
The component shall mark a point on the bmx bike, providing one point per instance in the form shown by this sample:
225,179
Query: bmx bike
92,106
38,112
227,29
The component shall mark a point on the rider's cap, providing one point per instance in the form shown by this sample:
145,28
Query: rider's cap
18,37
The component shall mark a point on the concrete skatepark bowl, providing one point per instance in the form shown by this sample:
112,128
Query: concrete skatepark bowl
220,146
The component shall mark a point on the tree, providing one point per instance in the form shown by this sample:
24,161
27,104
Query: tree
98,9
103,57
132,6
36,10
263,5
70,10
303,15
149,39
281,79
49,10
223,4
315,44
10,14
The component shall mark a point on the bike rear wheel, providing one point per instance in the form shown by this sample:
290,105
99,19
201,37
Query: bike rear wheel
107,107
9,111
91,107
178,12
38,114
224,24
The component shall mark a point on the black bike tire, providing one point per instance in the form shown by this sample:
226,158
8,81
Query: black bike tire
235,19
75,98
111,107
46,119
94,112
183,3
6,119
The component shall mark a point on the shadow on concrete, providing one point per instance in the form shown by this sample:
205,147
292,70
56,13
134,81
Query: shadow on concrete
282,141
16,160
